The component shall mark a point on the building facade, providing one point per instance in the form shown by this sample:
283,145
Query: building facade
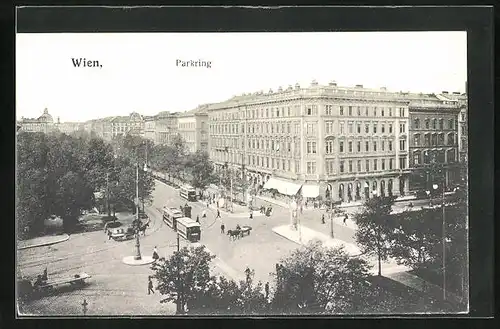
44,123
336,142
166,127
192,127
111,127
434,139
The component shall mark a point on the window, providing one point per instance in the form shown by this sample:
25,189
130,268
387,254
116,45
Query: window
416,140
375,163
375,111
341,166
441,125
391,164
350,128
311,128
367,128
382,164
402,127
375,146
341,110
350,166
382,111
341,127
416,123
374,128
297,166
390,111
434,124
329,147
328,109
390,128
367,165
358,146
450,124
390,145
402,163
288,127
358,127
416,159
382,145
463,116
311,147
359,111
382,128
350,110
359,166
367,146
426,123
402,144
366,111
341,147
309,110
463,130
328,127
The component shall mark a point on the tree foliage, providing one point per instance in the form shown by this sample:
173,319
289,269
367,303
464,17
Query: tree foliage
58,174
317,279
201,169
375,227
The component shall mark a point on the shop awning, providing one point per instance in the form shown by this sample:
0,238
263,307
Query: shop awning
310,191
284,187
271,183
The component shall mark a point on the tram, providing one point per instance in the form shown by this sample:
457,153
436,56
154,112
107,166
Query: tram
188,229
188,192
170,216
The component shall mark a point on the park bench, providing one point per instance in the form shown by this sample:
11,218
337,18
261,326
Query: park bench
77,279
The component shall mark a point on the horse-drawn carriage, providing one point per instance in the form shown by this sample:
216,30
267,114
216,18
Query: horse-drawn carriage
122,234
239,232
42,286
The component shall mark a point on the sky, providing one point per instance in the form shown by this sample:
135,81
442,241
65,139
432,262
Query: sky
138,71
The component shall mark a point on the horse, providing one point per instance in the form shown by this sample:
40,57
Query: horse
234,234
143,229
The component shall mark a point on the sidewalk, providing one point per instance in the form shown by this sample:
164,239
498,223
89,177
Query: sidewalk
303,235
421,285
239,211
42,241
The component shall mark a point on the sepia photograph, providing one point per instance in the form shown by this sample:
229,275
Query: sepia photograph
237,174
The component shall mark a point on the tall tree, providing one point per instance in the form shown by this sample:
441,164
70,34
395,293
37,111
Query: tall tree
183,277
317,279
375,228
201,169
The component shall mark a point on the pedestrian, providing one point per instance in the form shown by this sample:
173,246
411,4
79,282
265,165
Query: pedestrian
155,254
251,214
197,218
109,234
222,227
323,219
345,219
204,214
218,214
266,288
248,273
150,286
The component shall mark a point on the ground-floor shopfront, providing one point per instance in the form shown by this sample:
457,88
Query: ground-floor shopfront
347,189
425,179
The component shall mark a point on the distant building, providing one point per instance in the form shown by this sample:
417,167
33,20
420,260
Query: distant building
161,128
44,123
433,139
193,128
111,127
69,127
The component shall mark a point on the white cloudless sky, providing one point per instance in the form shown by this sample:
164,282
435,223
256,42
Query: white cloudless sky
139,71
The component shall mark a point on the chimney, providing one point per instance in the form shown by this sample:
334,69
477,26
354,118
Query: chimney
444,92
333,83
58,120
270,91
359,86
